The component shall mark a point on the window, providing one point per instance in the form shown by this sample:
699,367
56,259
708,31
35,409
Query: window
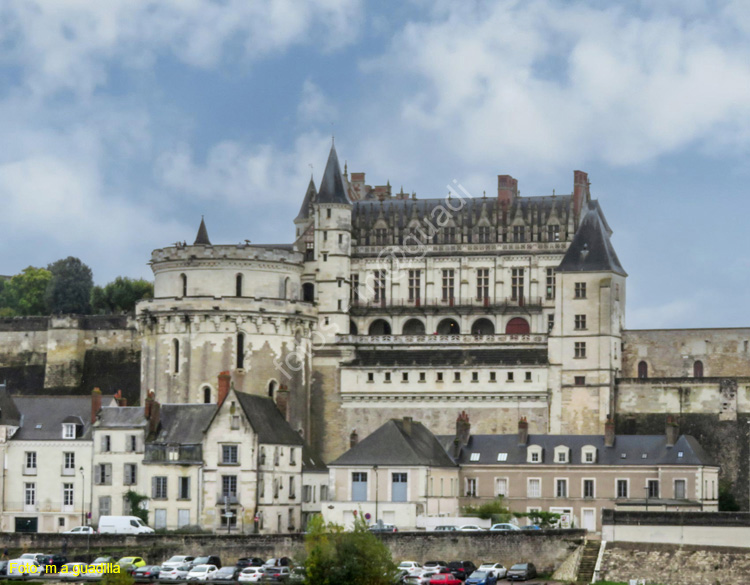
130,475
501,486
440,376
528,377
550,321
235,424
449,234
387,376
579,349
483,234
381,236
653,488
328,214
510,376
551,282
292,491
580,290
553,233
580,322
534,454
642,370
698,369
176,356
622,488
471,487
69,461
132,443
229,485
359,486
399,487
448,284
103,474
516,284
159,488
475,456
379,286
325,236
105,505
276,456
68,495
106,443
519,233
69,431
229,454
309,251
534,488
238,285
502,456
483,284
561,488
589,488
475,376
415,285
422,377
680,489
240,351
493,376
29,494
456,376
561,455
30,459
354,291
262,455
183,488
589,455
404,376
579,380
370,376
183,279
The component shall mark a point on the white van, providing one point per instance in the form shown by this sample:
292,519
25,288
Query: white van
123,525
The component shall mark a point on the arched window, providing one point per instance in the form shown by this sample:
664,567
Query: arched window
176,356
642,370
287,290
698,369
183,278
308,292
517,326
413,327
271,388
448,327
240,351
353,328
483,327
379,327
238,285
206,395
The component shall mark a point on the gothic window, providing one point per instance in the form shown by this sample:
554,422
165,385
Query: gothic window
483,284
206,395
379,286
238,285
415,282
448,284
553,233
309,252
176,356
642,370
698,369
183,279
516,284
519,233
354,290
551,284
483,234
381,236
449,236
271,388
240,351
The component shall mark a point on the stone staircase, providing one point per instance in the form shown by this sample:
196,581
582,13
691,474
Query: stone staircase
588,561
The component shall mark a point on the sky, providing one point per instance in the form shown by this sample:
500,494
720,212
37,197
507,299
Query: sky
122,122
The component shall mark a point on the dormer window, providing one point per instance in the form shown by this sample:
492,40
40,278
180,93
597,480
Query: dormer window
588,454
69,431
534,454
562,454
474,457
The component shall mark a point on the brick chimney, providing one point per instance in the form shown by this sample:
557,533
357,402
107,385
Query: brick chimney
357,184
463,429
507,190
148,403
224,379
406,423
154,417
609,432
96,403
353,439
672,431
282,400
523,431
580,190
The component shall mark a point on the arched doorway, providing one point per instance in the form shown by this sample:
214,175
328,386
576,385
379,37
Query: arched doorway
353,328
483,327
698,369
642,370
308,292
413,327
448,327
379,327
517,326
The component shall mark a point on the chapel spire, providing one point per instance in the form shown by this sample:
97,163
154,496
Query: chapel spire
202,238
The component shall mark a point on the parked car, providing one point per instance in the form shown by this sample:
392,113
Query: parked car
72,571
136,562
505,527
275,575
169,573
530,527
446,528
496,568
123,525
445,579
24,568
383,528
435,565
206,560
202,573
147,574
409,566
278,562
226,574
420,577
471,528
177,561
521,572
462,569
481,578
398,577
38,557
250,575
56,561
81,530
250,562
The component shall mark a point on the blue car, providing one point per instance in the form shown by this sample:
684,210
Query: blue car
481,578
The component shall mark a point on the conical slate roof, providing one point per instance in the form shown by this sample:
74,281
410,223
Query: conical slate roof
332,184
310,198
202,237
591,249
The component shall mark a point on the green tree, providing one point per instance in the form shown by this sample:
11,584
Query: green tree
69,291
120,295
727,501
121,578
494,510
135,501
336,556
24,293
540,518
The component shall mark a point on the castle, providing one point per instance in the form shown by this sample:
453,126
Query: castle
385,304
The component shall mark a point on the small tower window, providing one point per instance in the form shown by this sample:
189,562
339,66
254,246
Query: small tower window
240,351
642,370
176,356
206,395
183,278
238,285
271,388
698,369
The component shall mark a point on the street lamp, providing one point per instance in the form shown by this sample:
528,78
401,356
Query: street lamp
83,497
375,470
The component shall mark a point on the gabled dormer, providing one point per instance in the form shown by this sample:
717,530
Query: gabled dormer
562,454
588,454
535,454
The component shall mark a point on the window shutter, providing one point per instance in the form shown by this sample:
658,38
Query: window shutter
153,487
134,478
103,443
108,474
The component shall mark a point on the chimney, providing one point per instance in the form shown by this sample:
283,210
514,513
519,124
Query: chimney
407,420
463,429
353,439
580,191
96,403
282,400
673,431
147,404
357,184
507,190
523,431
154,417
609,432
224,378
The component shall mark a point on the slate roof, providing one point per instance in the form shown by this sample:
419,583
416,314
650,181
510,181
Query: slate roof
451,358
9,414
183,424
266,420
112,417
202,237
332,184
392,445
49,412
591,249
311,462
633,446
310,197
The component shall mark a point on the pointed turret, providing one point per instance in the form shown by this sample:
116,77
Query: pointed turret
202,238
310,197
591,249
332,184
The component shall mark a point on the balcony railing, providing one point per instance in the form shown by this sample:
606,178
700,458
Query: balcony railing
448,305
442,339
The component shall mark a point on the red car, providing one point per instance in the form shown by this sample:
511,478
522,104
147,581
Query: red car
445,579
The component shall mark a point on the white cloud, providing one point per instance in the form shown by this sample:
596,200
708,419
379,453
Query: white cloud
314,106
